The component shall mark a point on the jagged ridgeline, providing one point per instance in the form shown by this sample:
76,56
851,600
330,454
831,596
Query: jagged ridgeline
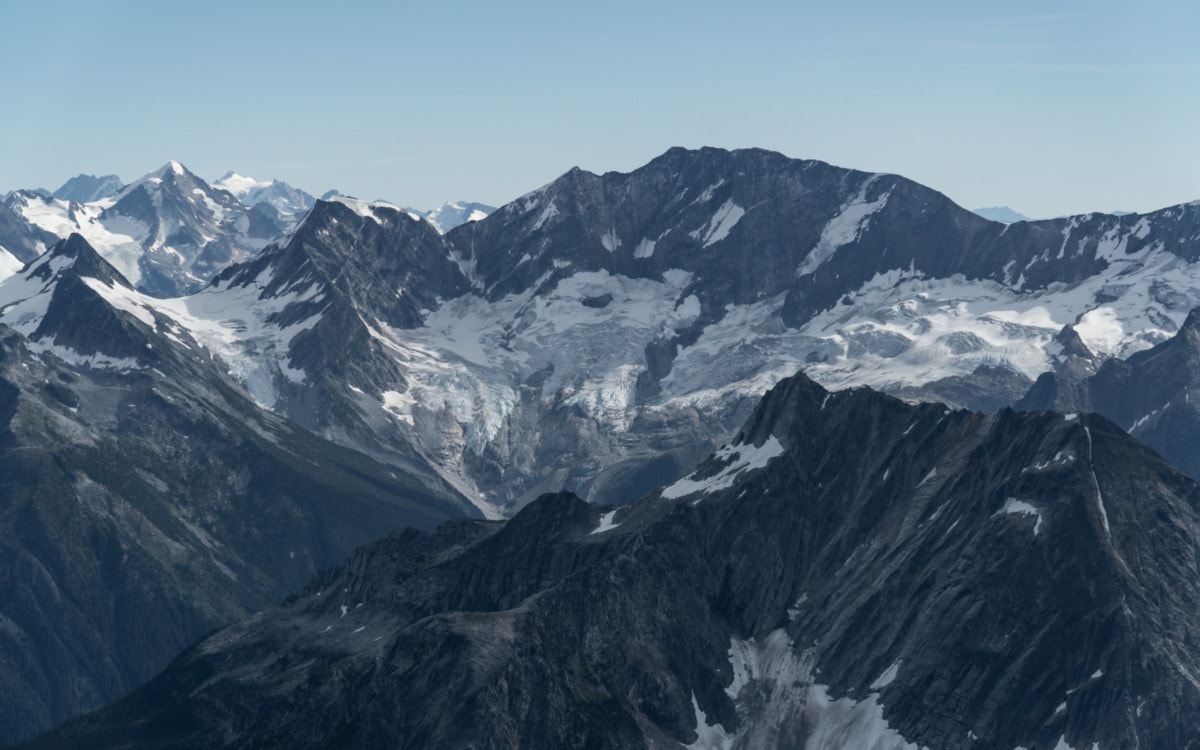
167,455
850,572
145,499
603,333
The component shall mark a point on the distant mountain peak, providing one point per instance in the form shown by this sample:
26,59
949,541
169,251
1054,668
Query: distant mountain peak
452,214
172,167
1003,214
287,201
86,188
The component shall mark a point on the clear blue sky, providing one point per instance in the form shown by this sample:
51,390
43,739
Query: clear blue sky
1049,107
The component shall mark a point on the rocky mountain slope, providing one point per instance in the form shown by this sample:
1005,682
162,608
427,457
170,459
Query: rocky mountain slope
145,498
1149,395
19,239
851,571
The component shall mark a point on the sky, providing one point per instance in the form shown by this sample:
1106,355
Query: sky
1051,108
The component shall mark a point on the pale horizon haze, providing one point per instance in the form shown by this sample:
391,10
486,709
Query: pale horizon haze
1049,108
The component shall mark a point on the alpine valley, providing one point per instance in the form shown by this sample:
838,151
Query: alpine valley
210,392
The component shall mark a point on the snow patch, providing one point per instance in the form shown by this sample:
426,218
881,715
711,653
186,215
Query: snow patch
399,405
844,228
236,325
610,241
717,229
548,213
368,209
1096,486
846,723
122,298
1061,459
707,194
709,737
888,676
741,457
1013,505
785,692
1101,329
96,361
606,523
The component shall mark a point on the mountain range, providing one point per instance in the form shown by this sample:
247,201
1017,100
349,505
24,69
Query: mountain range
600,336
1002,214
146,498
171,232
167,233
456,213
850,571
604,333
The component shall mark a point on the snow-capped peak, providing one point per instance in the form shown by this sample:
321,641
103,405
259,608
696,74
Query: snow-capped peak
290,202
366,209
171,167
454,213
240,185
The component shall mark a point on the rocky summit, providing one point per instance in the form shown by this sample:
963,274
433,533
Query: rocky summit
849,571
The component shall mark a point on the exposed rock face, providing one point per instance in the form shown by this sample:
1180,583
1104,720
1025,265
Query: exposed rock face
21,239
852,571
1149,395
752,224
145,499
